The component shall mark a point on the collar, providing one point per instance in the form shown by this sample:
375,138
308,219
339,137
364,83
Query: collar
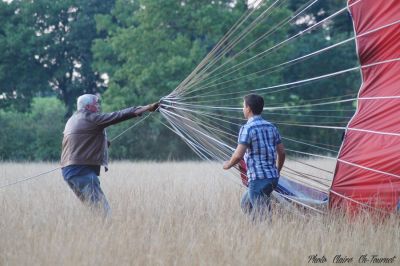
254,117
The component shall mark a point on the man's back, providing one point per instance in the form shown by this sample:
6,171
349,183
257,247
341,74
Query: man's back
261,139
84,141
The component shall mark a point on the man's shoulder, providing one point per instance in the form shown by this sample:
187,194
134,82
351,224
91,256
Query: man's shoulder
81,121
246,127
260,122
81,114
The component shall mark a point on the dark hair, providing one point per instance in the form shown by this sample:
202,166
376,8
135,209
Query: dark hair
255,102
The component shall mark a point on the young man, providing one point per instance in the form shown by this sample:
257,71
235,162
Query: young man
260,144
85,147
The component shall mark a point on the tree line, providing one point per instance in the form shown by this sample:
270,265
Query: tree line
134,52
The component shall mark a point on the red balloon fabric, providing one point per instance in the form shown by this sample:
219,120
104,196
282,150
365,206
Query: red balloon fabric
367,173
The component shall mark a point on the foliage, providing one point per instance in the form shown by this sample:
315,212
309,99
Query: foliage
322,10
21,76
47,48
35,135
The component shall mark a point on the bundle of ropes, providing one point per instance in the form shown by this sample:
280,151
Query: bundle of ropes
205,109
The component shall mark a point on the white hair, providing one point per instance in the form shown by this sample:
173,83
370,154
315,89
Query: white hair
85,100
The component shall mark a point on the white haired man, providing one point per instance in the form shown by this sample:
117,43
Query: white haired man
85,147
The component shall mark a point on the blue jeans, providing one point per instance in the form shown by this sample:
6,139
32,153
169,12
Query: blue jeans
87,189
257,197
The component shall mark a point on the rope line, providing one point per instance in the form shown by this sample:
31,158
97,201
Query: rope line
291,38
264,36
296,60
29,178
129,128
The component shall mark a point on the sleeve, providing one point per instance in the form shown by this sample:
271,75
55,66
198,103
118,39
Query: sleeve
107,119
244,136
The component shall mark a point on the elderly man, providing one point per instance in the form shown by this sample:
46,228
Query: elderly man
85,147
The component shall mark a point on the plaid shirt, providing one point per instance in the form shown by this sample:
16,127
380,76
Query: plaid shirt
261,138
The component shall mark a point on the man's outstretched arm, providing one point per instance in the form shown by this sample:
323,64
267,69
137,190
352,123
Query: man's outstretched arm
236,156
108,119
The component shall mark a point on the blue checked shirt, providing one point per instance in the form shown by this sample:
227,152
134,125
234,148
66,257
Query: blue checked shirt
261,138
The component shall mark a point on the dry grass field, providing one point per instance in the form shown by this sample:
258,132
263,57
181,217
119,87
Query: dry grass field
171,214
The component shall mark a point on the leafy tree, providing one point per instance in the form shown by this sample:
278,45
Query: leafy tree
34,135
16,136
21,75
47,119
153,45
47,48
67,29
321,10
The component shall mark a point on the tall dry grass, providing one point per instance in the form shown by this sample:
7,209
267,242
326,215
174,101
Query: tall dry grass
170,214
